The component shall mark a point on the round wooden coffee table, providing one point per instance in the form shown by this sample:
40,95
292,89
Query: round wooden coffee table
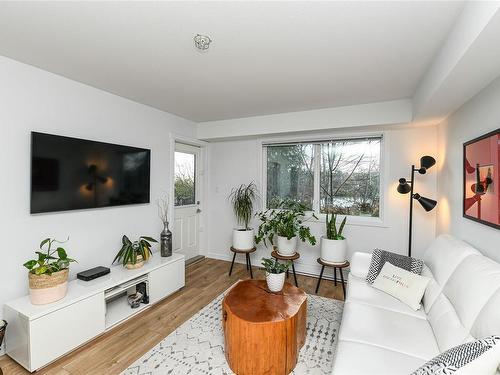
263,331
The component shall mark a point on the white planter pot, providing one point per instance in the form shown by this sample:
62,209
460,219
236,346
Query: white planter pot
275,281
333,251
243,239
287,247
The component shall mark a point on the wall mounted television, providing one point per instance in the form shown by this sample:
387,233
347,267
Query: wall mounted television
73,174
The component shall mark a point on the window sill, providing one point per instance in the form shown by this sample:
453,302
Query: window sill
356,221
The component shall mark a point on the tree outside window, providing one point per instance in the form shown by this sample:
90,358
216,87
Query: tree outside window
350,177
184,179
348,173
290,174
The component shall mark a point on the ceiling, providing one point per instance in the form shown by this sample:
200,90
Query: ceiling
266,57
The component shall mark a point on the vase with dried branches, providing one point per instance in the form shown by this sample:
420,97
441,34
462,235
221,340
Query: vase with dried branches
166,234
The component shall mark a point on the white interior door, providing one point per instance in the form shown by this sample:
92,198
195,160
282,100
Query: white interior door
187,185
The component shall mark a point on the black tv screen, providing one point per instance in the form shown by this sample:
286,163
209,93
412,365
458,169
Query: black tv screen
72,174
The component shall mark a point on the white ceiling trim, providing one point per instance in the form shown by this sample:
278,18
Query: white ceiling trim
383,113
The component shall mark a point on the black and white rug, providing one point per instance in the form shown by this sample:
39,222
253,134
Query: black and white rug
197,346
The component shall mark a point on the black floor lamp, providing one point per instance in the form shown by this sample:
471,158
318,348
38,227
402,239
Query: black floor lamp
406,186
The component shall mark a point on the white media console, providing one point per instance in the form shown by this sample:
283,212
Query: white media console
38,335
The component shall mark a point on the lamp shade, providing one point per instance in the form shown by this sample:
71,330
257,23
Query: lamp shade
427,162
403,187
427,203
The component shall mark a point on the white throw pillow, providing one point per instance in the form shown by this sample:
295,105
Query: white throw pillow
404,285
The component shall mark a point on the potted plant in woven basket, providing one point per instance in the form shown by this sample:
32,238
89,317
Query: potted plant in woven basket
242,199
275,273
286,222
48,275
133,254
334,244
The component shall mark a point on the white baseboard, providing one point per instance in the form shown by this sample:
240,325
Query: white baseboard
300,269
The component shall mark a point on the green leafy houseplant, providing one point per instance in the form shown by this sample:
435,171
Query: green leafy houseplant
275,273
272,265
287,220
51,259
48,275
132,253
331,227
242,199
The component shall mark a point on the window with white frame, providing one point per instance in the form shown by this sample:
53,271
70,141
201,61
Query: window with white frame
338,175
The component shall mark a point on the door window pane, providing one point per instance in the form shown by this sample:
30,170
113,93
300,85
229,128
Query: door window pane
290,174
184,181
350,177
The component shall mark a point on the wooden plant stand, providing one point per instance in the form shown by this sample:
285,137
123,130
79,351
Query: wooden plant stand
263,331
247,257
334,266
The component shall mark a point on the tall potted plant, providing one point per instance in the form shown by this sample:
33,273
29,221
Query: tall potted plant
133,254
334,244
286,222
275,273
242,199
48,275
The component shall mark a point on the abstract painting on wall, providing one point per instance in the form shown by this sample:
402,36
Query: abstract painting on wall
481,179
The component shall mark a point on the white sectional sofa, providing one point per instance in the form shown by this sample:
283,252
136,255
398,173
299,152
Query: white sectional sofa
381,335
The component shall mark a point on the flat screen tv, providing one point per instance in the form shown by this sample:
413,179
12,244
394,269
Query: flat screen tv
73,174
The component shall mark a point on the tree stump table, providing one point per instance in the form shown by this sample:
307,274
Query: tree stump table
263,331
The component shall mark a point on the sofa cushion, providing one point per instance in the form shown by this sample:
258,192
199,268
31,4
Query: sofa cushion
432,291
379,257
358,290
488,320
388,329
360,263
442,258
471,286
446,325
355,358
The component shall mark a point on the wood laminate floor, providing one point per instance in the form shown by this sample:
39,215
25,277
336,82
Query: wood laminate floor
112,352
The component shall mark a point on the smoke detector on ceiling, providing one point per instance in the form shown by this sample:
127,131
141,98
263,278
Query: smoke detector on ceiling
202,42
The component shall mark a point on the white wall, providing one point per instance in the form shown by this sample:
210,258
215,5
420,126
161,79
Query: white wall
478,116
234,162
32,99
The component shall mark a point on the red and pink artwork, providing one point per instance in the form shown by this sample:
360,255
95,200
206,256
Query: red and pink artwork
482,179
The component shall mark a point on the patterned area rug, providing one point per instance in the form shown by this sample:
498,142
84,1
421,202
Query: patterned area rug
197,346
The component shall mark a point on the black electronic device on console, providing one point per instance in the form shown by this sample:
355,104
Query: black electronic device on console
93,273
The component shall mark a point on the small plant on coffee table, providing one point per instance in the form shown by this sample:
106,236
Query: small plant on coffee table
272,265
